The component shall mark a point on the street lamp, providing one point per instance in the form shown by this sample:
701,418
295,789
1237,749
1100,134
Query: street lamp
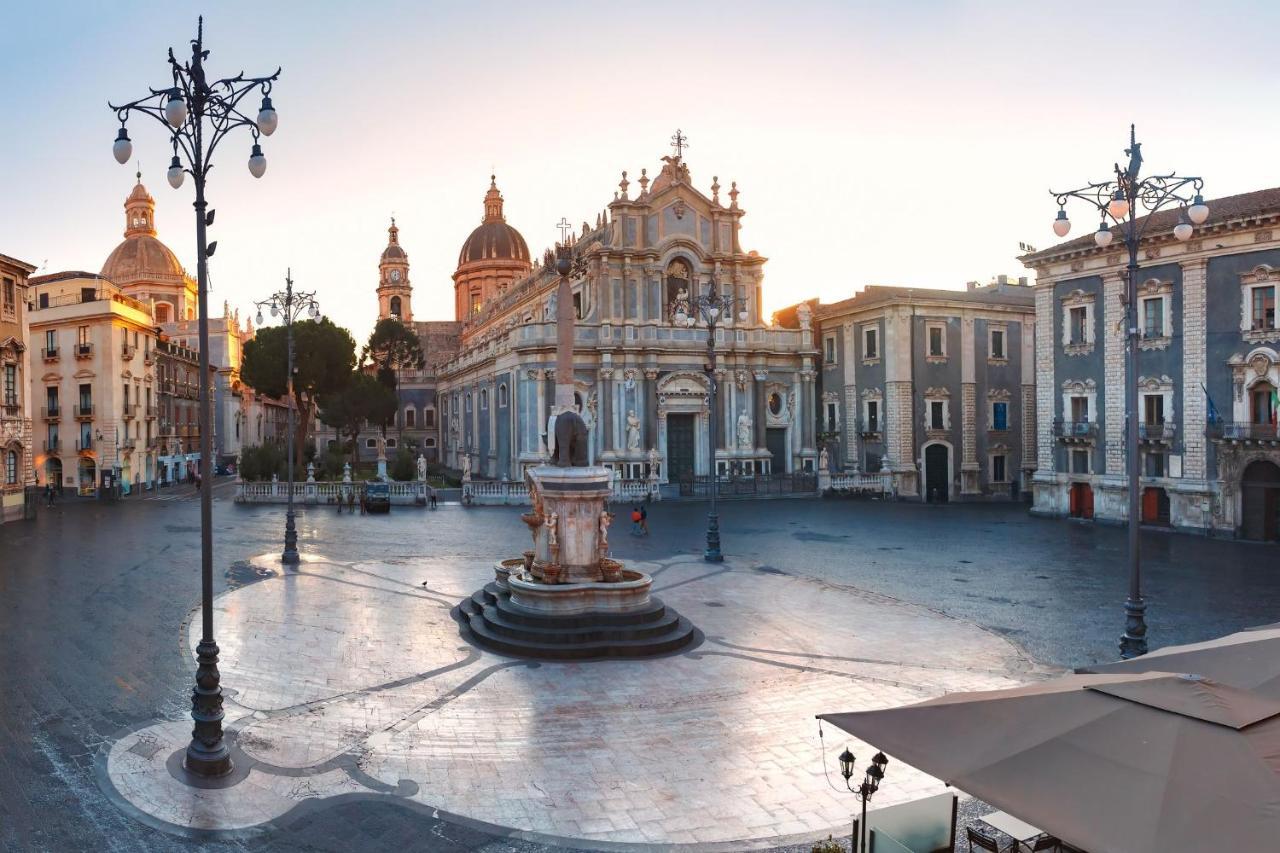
289,305
1120,199
197,114
711,306
866,788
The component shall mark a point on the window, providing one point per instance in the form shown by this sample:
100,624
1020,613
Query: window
997,344
468,402
1153,317
51,341
391,443
484,398
1079,317
82,335
1000,417
775,403
1079,410
11,468
1263,315
831,416
937,341
502,396
999,468
430,442
873,416
428,417
1153,464
873,462
86,397
1153,406
1263,404
870,342
829,349
332,443
10,296
371,443
1079,462
410,417
937,414
476,302
11,384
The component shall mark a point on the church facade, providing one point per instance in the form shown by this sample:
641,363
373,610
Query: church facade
640,379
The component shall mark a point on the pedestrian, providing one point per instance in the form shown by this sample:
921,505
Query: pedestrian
644,521
48,494
351,502
363,509
433,497
636,518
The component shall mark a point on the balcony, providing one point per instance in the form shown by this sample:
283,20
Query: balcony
127,351
50,354
130,411
1268,434
84,443
148,357
1075,432
1157,433
51,413
167,387
84,412
53,448
11,409
152,412
84,350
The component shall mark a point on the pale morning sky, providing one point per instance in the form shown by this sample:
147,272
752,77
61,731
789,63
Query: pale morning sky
894,143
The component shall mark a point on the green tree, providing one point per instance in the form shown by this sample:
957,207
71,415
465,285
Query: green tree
403,467
392,347
361,399
324,356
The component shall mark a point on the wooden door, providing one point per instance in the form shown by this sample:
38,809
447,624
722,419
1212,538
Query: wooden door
937,464
680,447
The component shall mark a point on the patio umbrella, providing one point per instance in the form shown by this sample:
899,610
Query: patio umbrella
1115,763
1250,659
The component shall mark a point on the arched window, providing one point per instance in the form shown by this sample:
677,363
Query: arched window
484,398
1262,403
502,396
431,442
395,306
371,443
468,402
11,468
428,417
410,417
391,442
676,289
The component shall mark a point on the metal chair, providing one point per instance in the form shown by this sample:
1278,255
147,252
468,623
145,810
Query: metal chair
1043,842
986,842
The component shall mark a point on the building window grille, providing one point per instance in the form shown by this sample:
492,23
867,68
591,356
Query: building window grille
1264,308
999,416
1155,465
870,345
999,468
937,414
1153,317
1079,462
873,462
1078,319
11,468
997,343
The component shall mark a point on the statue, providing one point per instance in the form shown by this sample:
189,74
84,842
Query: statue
570,441
633,431
382,448
466,467
346,472
606,518
552,542
744,430
311,472
824,460
422,467
655,459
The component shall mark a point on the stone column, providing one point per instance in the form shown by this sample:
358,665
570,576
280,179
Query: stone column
1113,341
809,409
606,410
899,403
540,417
758,415
1194,416
1044,378
1030,417
969,468
649,389
852,411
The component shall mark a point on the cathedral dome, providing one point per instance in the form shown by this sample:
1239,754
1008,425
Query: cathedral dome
494,239
141,256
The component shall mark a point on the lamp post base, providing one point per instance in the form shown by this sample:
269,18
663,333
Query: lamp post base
207,754
290,554
1134,641
712,553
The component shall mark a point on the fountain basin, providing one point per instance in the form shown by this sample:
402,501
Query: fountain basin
629,593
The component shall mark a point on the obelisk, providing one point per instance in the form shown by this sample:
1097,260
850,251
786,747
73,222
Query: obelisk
565,320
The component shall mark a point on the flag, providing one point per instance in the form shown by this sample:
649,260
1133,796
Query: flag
1213,416
1275,405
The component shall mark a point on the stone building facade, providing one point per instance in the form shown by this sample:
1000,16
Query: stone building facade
936,387
17,469
639,377
177,437
1208,370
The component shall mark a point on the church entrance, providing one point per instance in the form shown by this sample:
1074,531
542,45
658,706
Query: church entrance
680,447
775,441
1260,502
937,468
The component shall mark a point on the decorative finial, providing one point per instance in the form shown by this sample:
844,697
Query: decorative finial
624,183
733,193
679,142
493,182
644,182
565,228
715,189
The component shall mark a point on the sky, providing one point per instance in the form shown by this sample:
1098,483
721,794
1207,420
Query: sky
906,143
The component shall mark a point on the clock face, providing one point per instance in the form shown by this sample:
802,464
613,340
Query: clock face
395,275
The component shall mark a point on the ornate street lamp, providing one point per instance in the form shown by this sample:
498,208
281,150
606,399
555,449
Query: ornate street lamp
198,114
866,788
289,305
1118,201
711,307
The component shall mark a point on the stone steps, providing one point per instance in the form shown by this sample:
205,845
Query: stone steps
490,620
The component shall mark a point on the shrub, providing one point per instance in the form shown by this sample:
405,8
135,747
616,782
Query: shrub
404,466
260,462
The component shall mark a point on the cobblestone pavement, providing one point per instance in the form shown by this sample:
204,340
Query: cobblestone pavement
94,600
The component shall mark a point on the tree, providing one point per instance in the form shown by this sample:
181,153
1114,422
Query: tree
362,399
392,347
324,356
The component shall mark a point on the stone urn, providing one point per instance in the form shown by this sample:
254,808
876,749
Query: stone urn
551,573
610,570
528,562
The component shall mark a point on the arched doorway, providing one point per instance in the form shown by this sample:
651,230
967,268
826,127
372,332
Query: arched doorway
1260,501
53,472
1155,505
1081,500
937,472
88,476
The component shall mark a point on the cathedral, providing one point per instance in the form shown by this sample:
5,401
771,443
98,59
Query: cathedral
640,378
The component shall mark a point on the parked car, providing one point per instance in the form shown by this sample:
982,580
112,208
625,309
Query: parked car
377,496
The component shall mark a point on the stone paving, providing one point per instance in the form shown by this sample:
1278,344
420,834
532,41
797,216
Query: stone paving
352,677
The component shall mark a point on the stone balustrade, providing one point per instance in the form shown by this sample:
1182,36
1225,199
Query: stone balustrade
878,483
402,493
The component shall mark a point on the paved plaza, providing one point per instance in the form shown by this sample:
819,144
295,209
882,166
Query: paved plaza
362,720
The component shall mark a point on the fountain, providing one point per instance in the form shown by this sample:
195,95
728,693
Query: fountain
566,598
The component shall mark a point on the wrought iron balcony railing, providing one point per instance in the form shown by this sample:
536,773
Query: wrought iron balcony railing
1237,431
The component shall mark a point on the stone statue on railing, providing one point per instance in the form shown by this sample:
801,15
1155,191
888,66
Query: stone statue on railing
655,461
633,431
346,472
422,467
311,472
824,460
744,431
466,467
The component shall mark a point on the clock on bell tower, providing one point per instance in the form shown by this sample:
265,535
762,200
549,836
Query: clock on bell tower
394,291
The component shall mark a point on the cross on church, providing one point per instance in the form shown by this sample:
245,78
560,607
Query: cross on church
565,228
679,142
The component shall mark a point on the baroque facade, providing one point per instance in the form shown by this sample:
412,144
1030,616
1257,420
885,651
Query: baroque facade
935,387
639,376
1208,370
17,470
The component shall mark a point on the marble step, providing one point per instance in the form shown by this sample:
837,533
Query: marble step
679,636
565,631
651,611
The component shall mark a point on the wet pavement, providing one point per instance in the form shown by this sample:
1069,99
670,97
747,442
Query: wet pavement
94,600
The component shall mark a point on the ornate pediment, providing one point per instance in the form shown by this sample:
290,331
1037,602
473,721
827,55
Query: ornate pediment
1155,287
1260,273
1151,383
937,392
872,394
998,394
1075,386
1078,297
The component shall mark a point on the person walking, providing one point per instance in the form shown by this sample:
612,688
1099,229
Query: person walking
351,502
644,521
48,494
636,518
433,497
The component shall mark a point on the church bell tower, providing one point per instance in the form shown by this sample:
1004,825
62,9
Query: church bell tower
394,292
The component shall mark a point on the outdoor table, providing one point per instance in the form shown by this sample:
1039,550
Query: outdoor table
1018,830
